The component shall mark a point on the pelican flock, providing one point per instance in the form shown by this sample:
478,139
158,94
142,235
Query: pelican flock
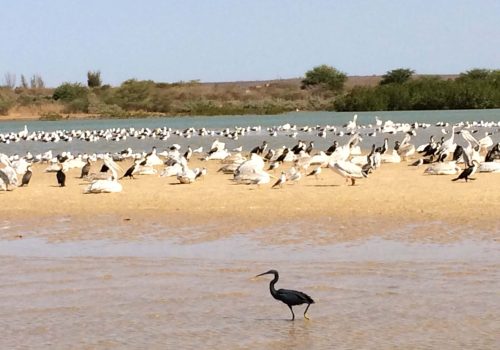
300,157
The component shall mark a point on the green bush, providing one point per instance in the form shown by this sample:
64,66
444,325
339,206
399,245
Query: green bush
68,92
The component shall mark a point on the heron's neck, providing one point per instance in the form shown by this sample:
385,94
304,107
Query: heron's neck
271,285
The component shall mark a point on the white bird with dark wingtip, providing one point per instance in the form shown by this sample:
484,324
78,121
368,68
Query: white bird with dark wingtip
110,185
281,181
349,170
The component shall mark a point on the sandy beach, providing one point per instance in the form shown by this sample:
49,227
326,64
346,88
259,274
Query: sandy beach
394,196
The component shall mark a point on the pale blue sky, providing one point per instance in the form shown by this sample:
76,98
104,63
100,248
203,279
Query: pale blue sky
223,40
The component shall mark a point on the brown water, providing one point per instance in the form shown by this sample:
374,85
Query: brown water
162,294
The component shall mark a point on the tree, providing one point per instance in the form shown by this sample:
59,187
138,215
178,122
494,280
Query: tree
325,76
94,79
475,74
397,76
10,80
24,82
36,82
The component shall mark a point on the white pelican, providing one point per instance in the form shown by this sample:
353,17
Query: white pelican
348,170
351,125
186,176
8,176
489,167
443,168
448,146
406,149
108,185
171,170
485,142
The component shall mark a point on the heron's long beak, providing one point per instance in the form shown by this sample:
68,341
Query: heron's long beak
262,274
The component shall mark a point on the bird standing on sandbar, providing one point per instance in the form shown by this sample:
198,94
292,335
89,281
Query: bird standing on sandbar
26,177
281,181
287,296
61,176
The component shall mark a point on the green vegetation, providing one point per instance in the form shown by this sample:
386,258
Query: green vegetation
325,77
475,89
397,76
94,79
323,88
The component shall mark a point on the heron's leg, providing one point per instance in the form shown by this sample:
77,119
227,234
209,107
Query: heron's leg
353,181
305,312
293,315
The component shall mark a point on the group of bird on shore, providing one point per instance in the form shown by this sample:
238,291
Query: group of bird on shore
258,166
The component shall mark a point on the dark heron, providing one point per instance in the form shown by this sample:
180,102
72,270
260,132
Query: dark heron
287,296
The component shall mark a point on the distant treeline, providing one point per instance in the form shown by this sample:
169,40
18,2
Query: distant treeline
472,90
322,88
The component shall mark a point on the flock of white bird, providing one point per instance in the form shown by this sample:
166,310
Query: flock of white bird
441,157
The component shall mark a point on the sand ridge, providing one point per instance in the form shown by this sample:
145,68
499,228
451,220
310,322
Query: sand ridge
393,196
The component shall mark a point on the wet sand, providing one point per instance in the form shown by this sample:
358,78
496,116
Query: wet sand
402,260
107,295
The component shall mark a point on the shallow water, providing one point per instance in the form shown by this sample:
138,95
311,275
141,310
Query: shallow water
169,293
248,141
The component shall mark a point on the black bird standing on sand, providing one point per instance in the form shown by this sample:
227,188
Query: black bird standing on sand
130,172
287,296
469,171
85,169
26,177
61,176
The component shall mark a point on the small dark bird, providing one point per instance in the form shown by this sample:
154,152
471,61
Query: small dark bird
469,171
26,177
188,153
315,172
61,177
130,172
459,151
85,169
310,148
104,168
332,148
260,149
287,296
283,155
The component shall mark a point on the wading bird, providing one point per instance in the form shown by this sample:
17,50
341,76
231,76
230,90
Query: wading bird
287,296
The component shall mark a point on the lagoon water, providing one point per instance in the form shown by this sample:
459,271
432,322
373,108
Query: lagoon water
165,294
220,122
